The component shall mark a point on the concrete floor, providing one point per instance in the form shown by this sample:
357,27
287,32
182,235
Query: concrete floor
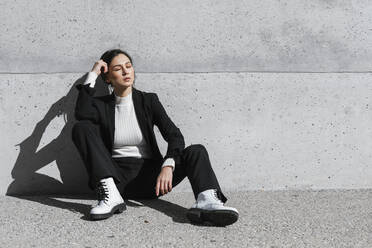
326,218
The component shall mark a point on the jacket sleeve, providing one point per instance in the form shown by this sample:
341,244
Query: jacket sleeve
85,109
170,132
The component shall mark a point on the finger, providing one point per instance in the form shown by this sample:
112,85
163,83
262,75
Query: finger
157,187
101,64
170,185
170,182
168,188
165,187
162,187
105,66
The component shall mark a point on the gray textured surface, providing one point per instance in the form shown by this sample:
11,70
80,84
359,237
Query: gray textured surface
267,219
268,129
262,130
188,36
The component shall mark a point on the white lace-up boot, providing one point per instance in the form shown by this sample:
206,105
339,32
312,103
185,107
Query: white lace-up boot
109,200
208,207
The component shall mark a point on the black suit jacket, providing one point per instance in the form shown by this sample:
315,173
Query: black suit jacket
149,111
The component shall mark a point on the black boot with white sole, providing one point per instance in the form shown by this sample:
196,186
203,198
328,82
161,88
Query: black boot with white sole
109,200
209,208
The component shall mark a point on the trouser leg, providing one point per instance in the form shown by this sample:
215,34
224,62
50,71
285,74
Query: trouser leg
97,159
143,185
195,164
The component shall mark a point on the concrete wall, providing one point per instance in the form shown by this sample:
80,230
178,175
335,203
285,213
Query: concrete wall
279,92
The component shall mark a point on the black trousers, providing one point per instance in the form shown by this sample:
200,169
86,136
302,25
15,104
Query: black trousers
135,177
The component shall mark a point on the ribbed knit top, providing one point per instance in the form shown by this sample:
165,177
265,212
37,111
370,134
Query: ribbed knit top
128,139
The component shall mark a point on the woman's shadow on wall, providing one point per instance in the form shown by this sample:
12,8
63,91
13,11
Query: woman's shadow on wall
31,185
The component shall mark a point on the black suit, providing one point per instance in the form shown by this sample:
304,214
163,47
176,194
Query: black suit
149,111
93,135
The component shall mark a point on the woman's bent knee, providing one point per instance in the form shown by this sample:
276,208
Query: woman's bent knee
196,148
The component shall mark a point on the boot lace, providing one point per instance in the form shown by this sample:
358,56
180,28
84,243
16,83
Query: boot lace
102,192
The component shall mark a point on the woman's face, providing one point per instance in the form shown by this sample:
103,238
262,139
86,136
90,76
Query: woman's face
120,72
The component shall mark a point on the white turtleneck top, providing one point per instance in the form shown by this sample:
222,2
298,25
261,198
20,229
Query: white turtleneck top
128,139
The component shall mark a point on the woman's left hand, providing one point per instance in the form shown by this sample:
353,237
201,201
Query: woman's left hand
164,181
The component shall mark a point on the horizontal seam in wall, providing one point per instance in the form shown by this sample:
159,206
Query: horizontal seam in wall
162,72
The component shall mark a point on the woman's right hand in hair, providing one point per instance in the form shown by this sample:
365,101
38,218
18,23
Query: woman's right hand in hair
100,66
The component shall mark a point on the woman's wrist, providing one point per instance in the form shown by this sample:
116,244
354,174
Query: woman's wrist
166,167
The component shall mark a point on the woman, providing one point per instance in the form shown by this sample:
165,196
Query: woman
115,138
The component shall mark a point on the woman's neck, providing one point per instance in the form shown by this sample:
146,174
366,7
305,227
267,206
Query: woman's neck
122,92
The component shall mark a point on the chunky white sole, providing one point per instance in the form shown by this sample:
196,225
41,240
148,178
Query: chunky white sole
115,210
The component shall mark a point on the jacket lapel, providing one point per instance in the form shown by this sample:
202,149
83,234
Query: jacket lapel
111,118
138,109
